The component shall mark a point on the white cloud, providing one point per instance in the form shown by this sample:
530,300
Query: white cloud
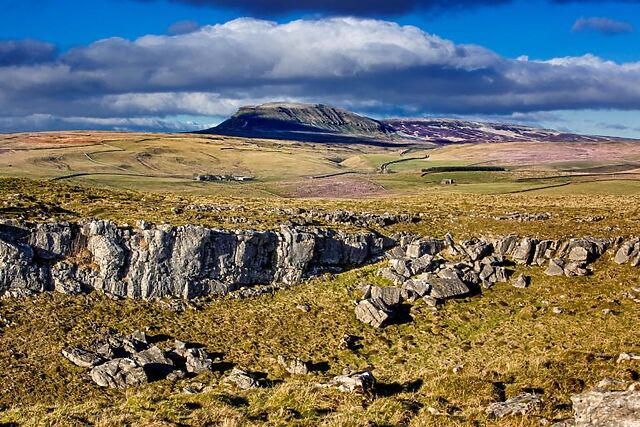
370,65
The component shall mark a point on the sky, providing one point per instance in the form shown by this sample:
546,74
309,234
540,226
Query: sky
180,65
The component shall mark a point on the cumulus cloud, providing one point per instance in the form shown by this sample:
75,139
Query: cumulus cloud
370,66
606,26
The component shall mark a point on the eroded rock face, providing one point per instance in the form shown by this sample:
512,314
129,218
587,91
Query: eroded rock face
150,261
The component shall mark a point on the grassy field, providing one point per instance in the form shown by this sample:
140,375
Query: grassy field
507,340
161,162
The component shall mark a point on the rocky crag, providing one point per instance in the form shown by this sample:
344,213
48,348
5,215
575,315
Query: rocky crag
162,261
435,270
149,261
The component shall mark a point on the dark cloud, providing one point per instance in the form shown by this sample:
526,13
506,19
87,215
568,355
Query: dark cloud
356,7
366,65
25,52
350,7
606,26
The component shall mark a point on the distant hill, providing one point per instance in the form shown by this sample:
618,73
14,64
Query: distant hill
323,123
452,131
305,122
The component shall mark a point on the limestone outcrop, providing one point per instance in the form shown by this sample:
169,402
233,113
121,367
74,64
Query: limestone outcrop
156,261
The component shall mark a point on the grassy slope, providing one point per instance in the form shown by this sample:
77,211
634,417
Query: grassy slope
506,336
157,162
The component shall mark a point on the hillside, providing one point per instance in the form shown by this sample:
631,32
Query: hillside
326,124
452,131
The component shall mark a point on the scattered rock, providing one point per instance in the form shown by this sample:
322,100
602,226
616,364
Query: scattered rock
609,383
522,281
119,373
349,342
448,288
374,312
121,361
82,358
626,357
194,388
243,380
305,308
599,408
197,360
389,296
557,310
556,267
294,366
357,382
519,405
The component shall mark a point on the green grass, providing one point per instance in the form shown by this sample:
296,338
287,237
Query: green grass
506,335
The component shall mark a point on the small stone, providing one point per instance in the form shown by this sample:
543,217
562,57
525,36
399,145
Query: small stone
305,308
519,405
521,281
607,311
374,312
557,310
433,411
612,383
348,342
193,388
294,366
556,267
430,301
457,369
119,373
197,361
359,382
626,357
176,375
243,380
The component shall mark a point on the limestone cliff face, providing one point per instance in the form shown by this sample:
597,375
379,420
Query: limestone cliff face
149,261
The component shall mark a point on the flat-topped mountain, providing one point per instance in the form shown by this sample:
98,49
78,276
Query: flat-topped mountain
306,122
323,123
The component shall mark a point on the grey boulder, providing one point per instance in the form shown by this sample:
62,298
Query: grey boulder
374,312
519,405
119,373
599,408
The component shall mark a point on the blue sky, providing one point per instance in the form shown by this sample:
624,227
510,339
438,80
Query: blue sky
537,29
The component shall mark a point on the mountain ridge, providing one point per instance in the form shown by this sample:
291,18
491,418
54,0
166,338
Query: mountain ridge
328,124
